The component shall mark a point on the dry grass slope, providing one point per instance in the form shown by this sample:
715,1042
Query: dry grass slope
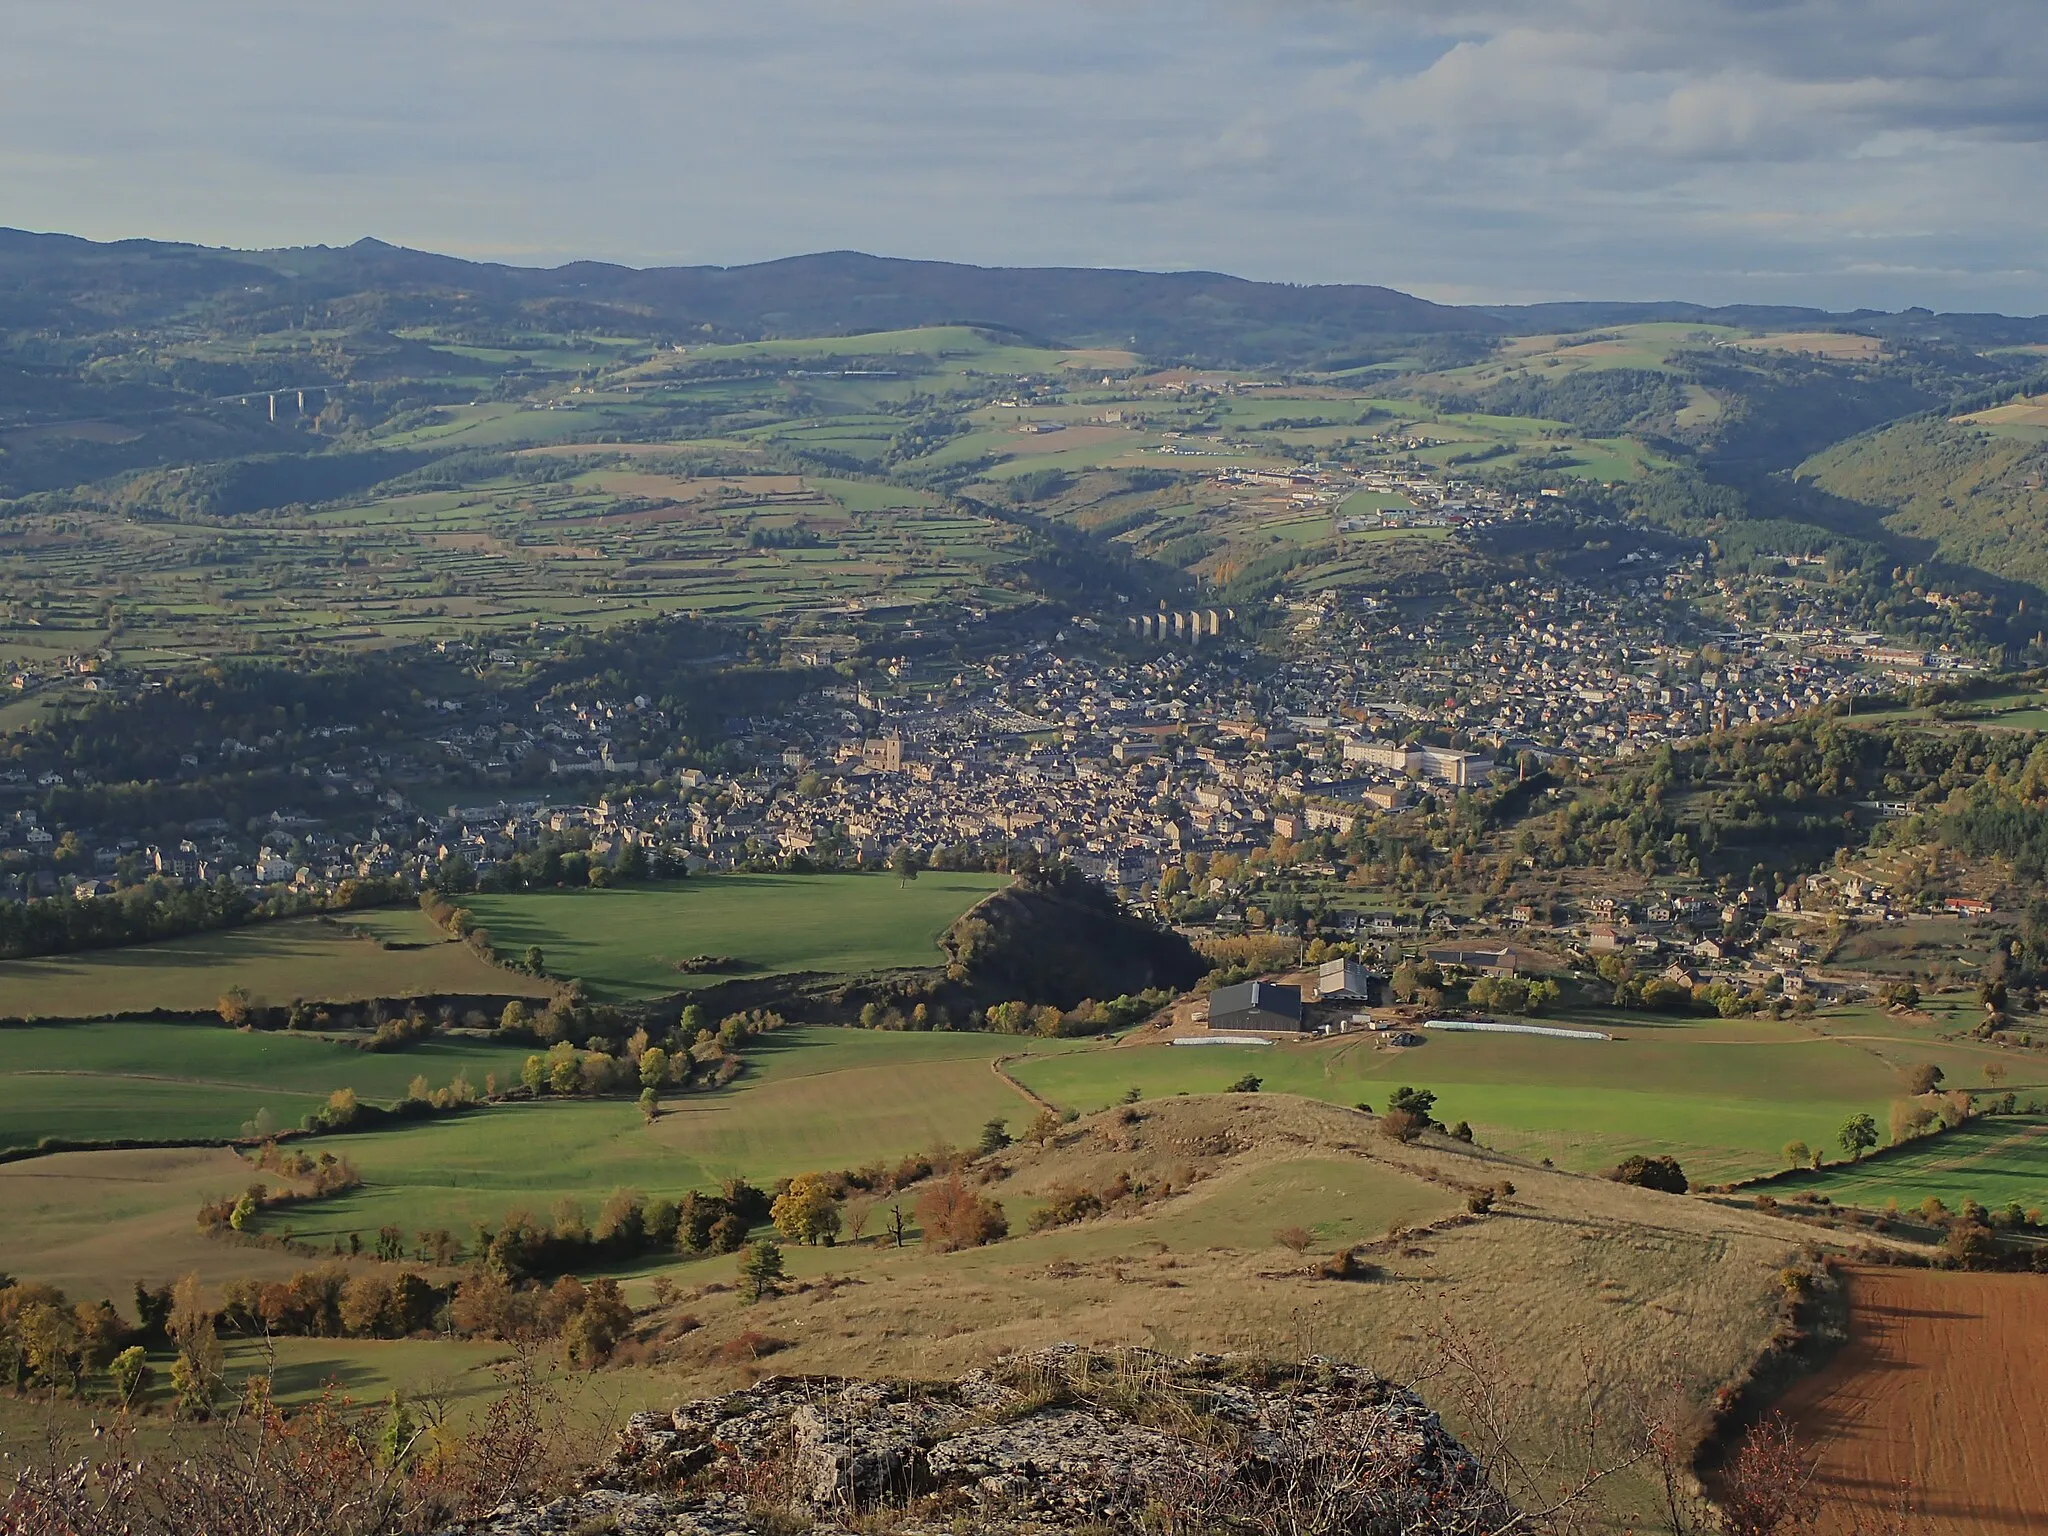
1572,1290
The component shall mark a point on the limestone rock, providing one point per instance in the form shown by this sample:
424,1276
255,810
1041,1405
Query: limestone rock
1059,1440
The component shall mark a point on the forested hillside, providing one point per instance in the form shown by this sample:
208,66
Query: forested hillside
1976,494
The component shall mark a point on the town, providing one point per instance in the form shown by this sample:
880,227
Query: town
1162,754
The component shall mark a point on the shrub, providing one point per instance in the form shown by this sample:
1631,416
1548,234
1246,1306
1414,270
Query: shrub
1347,1265
1066,1205
750,1345
1659,1173
1401,1125
1295,1238
1924,1077
1968,1243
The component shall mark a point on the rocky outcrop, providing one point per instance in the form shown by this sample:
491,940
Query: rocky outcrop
1063,938
1062,1440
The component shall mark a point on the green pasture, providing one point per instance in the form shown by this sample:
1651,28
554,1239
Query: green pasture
1258,413
1993,1160
2019,431
518,424
276,963
1925,944
626,942
1723,1097
1649,347
1316,528
938,344
863,496
811,1099
500,553
149,1081
1339,1201
1391,535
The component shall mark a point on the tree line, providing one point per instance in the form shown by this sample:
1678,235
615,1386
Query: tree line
161,910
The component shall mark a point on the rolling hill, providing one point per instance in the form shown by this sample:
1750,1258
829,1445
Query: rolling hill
1972,491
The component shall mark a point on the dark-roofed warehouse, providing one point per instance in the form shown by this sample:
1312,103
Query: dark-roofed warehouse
1256,1005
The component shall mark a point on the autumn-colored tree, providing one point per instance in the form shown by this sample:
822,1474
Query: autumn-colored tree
595,1329
1767,1489
808,1211
1924,1077
954,1216
128,1373
196,1373
653,1067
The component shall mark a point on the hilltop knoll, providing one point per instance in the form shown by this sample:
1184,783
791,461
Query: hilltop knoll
1062,1439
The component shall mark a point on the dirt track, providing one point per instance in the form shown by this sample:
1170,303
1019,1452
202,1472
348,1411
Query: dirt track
1943,1385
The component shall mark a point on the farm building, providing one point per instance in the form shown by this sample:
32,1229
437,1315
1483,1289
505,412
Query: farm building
1262,1005
1495,962
1347,981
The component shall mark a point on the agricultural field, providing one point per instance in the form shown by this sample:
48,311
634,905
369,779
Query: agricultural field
1996,1160
500,552
944,348
1938,1391
2028,414
150,1081
1650,348
625,943
276,963
1836,346
752,480
1723,1097
1919,947
813,1098
94,1223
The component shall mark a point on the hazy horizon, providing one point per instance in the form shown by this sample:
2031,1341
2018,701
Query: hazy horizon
1839,154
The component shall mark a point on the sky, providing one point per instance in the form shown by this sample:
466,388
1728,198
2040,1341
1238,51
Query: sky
1841,153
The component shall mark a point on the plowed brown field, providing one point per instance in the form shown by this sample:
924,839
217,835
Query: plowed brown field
1943,1386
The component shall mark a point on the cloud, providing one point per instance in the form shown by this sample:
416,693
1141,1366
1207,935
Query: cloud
1829,151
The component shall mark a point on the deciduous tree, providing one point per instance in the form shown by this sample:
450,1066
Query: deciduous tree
808,1211
1857,1136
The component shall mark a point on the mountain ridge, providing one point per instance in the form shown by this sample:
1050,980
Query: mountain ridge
1200,315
